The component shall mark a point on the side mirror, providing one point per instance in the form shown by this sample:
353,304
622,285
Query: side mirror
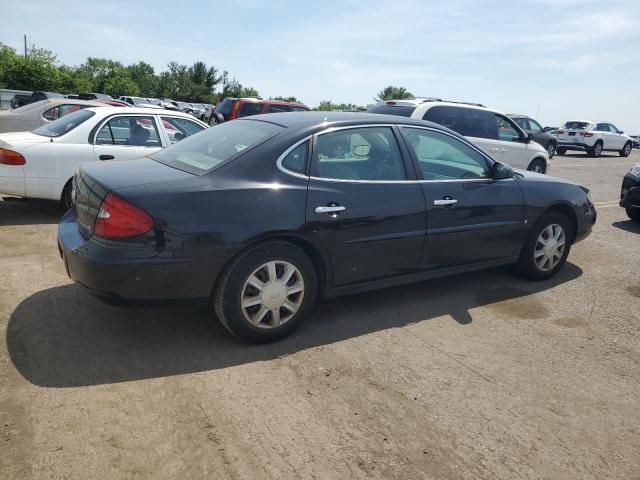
530,137
620,132
502,171
178,136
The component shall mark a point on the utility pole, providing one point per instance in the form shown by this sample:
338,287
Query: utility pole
25,45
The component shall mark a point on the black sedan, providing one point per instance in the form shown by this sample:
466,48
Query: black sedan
630,193
264,215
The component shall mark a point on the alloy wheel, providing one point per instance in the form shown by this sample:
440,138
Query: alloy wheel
549,247
627,150
272,294
551,149
597,149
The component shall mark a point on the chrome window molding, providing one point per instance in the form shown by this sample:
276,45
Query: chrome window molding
341,180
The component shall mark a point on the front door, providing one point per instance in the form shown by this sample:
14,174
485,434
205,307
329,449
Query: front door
471,218
124,137
364,205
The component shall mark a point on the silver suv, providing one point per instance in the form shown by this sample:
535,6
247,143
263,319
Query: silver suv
494,132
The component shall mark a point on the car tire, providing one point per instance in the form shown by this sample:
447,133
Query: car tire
537,165
633,214
551,149
239,298
539,262
561,151
596,150
65,200
626,150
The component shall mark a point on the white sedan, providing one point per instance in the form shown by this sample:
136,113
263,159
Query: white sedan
41,163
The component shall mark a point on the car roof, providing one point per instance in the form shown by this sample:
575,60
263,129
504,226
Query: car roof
302,120
106,110
417,101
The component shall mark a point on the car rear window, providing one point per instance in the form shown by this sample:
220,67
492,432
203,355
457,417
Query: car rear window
64,124
577,125
388,109
224,108
214,147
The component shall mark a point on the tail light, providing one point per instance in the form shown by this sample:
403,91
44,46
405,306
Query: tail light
235,110
118,218
560,132
588,134
9,157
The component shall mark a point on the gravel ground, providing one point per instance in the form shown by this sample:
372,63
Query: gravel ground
481,375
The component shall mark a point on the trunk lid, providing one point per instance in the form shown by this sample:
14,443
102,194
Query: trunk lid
94,181
9,139
573,131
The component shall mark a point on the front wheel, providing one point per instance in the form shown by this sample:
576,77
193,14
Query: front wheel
633,213
537,165
547,246
551,150
266,293
626,151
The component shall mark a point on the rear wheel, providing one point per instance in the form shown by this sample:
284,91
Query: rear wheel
551,149
561,151
626,151
546,249
66,201
537,165
633,213
596,150
265,294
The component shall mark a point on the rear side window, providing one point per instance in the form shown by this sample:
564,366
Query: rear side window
203,153
466,121
130,130
250,108
295,108
523,123
296,159
279,108
387,109
64,124
359,154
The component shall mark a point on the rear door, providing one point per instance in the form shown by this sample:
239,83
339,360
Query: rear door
123,137
364,204
471,218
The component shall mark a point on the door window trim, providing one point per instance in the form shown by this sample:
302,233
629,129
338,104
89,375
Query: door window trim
398,130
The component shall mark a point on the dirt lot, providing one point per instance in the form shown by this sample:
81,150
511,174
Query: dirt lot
477,376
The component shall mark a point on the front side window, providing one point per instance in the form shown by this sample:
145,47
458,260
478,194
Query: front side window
443,157
250,108
534,126
296,159
180,128
359,154
506,130
613,129
203,153
64,124
132,130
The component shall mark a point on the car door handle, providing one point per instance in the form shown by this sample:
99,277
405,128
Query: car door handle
445,202
106,157
331,209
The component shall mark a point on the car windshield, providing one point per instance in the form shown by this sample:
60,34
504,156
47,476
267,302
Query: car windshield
577,125
387,109
207,150
64,124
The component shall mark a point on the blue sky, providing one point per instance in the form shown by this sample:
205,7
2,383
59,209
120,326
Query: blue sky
564,59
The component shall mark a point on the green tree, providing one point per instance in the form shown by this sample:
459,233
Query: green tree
120,85
287,99
393,93
144,76
329,106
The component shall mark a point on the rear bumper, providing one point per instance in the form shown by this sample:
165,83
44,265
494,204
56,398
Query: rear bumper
126,275
574,146
630,192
